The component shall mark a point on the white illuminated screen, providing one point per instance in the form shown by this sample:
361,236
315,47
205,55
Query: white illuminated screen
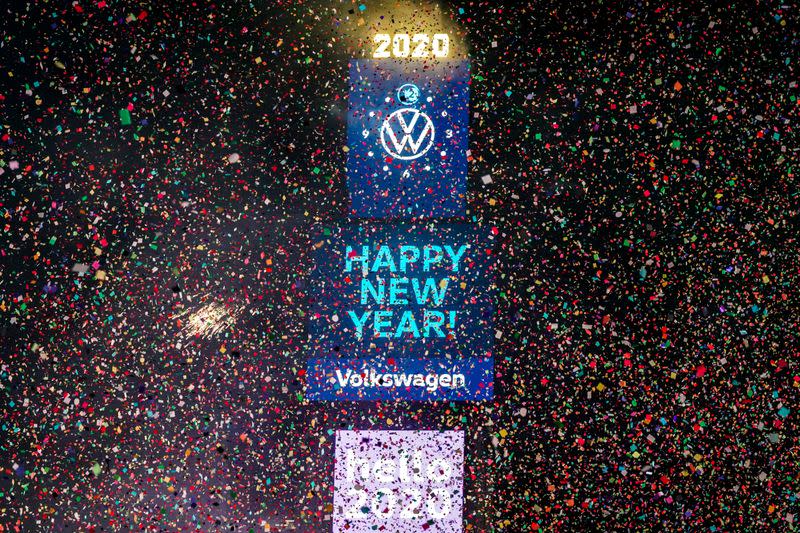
407,480
419,45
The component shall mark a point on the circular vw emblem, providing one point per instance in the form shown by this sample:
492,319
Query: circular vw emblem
407,133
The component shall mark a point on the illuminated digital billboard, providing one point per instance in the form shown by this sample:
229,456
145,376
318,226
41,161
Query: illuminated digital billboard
407,137
398,481
402,311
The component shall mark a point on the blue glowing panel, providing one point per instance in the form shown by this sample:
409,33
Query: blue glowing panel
407,135
402,311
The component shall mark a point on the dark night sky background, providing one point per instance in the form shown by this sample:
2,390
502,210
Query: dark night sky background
643,164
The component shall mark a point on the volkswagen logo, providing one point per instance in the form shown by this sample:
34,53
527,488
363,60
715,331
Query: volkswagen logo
407,134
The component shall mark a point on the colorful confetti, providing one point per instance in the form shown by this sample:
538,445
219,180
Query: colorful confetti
164,167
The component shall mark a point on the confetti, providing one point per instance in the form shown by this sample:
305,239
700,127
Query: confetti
165,168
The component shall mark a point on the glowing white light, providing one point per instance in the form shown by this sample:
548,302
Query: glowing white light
210,319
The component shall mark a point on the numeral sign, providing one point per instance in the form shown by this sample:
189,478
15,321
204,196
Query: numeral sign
419,45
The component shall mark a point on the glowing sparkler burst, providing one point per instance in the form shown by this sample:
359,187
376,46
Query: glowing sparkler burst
210,319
